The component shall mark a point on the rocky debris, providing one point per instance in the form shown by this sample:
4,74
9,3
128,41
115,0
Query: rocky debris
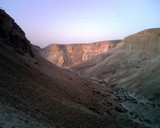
116,94
72,54
13,35
145,113
100,82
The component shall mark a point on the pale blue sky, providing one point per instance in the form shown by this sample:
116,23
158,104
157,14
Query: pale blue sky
82,21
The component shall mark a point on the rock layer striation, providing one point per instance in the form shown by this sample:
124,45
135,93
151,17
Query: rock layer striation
73,54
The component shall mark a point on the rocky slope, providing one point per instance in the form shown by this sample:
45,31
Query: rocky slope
13,35
35,93
136,57
72,54
134,66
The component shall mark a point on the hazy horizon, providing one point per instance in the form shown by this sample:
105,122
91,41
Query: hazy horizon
81,21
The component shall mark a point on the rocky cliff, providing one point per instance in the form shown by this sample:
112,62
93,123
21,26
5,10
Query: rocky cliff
12,35
73,54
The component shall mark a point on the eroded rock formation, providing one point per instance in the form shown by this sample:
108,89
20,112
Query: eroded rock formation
73,54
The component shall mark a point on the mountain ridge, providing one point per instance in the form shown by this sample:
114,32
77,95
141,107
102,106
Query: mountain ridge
66,55
13,35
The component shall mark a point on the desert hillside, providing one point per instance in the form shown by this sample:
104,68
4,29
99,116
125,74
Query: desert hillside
72,54
35,93
134,66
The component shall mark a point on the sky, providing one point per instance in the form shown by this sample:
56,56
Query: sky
81,21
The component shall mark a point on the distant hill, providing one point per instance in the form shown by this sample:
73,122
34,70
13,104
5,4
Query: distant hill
72,54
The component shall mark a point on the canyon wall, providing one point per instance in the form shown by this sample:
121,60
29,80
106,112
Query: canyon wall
72,54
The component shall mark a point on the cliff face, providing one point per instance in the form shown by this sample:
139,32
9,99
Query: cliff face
73,54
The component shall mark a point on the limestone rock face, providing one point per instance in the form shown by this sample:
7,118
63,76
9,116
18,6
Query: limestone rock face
73,54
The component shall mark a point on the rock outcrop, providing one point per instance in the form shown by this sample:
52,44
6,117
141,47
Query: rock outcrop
73,54
13,35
